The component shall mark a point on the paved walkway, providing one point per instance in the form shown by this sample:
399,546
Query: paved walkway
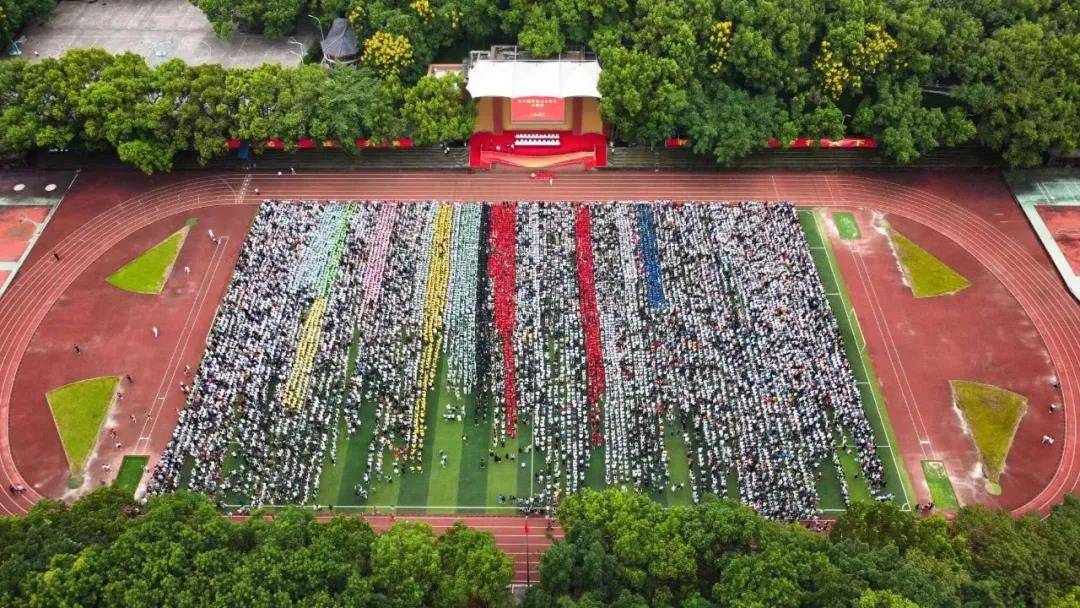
158,30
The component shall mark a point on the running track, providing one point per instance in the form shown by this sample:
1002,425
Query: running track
1055,314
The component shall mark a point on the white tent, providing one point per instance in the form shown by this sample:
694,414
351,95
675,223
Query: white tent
534,78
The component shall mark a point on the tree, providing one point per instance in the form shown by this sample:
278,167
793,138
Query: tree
358,104
621,540
147,156
17,127
297,103
437,110
783,576
14,14
471,19
1024,90
1025,559
718,530
53,90
904,127
272,18
30,543
220,15
825,121
771,43
881,523
473,570
675,30
266,104
388,54
730,123
204,112
125,108
540,33
642,95
405,563
883,599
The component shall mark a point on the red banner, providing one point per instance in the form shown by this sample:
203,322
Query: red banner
847,142
537,109
277,144
802,142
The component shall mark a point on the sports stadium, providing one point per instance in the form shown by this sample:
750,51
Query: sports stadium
536,313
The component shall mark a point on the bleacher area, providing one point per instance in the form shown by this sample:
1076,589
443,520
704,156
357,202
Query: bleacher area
429,158
830,159
622,158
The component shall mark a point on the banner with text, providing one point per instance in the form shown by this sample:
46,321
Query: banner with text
537,109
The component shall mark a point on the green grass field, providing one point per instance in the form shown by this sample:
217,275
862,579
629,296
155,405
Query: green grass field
896,476
78,410
941,490
130,474
992,415
147,273
462,486
846,226
926,275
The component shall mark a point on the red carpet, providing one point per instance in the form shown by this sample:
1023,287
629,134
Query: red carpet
487,149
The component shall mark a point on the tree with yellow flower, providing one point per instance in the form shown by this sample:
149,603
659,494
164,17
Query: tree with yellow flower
850,58
719,44
387,53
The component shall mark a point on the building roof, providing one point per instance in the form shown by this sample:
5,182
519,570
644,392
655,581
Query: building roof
489,78
340,41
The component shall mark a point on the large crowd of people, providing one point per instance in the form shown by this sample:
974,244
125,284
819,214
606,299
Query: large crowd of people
625,327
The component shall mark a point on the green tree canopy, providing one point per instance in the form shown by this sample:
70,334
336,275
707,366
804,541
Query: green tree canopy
643,96
906,128
178,550
719,553
14,14
913,74
436,110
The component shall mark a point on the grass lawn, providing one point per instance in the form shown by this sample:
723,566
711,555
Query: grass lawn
148,272
679,465
830,498
130,474
926,275
476,438
992,415
502,477
858,491
78,410
941,490
896,476
846,226
447,434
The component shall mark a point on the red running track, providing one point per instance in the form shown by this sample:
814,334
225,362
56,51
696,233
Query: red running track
1027,276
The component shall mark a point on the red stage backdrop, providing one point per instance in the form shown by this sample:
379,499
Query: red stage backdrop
537,109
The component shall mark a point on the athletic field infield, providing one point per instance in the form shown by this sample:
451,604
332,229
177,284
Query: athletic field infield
462,486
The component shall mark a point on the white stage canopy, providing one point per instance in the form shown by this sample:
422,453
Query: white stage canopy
534,79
